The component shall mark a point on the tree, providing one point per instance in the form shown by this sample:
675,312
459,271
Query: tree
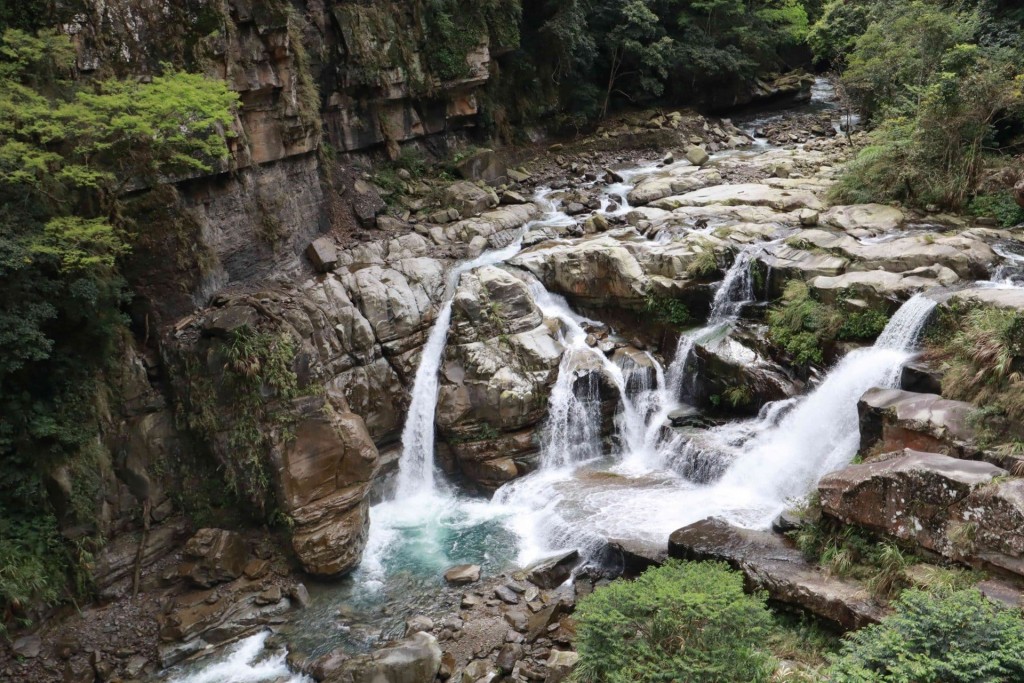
683,621
952,637
68,153
637,47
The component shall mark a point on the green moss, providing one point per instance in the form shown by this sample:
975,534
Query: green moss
667,311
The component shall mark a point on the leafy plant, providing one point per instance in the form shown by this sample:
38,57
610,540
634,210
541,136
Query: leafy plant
953,637
667,311
1000,206
683,621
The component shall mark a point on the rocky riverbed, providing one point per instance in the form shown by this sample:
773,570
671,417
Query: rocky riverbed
619,285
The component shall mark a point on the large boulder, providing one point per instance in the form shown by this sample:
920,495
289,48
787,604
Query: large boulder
469,199
214,556
483,165
771,563
965,510
1018,194
892,419
877,218
325,475
907,495
882,288
601,271
414,660
751,194
731,372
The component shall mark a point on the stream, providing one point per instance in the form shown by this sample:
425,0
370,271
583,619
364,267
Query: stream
651,481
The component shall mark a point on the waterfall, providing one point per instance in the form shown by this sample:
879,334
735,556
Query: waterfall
416,465
735,290
416,476
785,459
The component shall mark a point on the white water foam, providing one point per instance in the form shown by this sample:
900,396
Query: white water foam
765,463
246,662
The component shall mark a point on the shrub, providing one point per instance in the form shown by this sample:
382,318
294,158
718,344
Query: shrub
801,325
683,621
947,637
1002,207
667,311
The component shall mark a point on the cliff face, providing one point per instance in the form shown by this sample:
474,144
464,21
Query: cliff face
316,80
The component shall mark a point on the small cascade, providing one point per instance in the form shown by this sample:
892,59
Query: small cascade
573,431
246,662
1009,273
735,291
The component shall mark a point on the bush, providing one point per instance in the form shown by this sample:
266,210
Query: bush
683,621
801,325
947,637
1002,207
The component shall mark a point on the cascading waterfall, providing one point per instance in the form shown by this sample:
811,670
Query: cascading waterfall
745,472
416,469
782,461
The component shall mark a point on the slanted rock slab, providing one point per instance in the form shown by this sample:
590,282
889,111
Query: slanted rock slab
770,563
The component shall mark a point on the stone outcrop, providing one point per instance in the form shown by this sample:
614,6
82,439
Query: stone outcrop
414,660
500,363
891,420
730,371
214,556
963,510
771,563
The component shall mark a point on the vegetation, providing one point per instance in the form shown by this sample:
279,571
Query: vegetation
942,104
667,311
577,59
982,350
681,621
68,154
845,551
805,328
949,636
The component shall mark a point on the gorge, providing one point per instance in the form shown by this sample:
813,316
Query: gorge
326,390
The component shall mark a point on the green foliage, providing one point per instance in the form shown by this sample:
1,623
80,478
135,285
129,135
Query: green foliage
939,98
706,262
801,325
667,311
68,154
846,551
947,637
681,621
862,325
258,382
738,396
805,328
1000,206
457,27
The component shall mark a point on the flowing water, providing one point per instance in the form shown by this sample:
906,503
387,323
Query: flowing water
646,481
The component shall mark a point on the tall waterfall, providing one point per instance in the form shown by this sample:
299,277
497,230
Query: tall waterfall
416,476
